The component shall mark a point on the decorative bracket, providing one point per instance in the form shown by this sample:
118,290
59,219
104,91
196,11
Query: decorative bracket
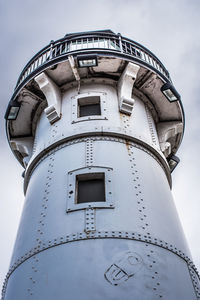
167,130
19,147
125,86
53,96
23,147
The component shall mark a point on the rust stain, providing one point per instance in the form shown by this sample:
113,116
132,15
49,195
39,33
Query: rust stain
121,119
121,116
127,146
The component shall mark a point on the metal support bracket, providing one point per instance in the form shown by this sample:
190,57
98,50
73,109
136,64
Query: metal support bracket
23,147
125,87
18,146
53,96
166,131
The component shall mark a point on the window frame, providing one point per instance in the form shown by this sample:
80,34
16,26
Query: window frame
72,188
75,107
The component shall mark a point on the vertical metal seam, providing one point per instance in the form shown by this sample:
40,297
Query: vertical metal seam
90,213
43,213
143,219
90,219
150,123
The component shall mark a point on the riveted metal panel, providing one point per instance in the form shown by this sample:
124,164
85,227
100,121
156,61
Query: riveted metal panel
113,269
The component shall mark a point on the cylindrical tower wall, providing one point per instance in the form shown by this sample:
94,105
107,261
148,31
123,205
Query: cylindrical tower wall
135,232
140,125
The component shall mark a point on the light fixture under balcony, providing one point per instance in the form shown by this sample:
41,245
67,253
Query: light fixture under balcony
173,162
12,110
87,61
170,92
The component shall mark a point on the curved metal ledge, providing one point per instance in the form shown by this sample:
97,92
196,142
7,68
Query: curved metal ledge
116,137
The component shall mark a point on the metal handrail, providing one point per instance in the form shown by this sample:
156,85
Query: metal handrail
90,41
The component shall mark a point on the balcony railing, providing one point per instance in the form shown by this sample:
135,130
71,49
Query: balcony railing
90,42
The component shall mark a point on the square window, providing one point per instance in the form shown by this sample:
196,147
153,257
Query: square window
90,188
89,106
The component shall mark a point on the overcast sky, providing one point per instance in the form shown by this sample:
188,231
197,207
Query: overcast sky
170,29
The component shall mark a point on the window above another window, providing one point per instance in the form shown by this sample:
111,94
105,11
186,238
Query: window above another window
89,106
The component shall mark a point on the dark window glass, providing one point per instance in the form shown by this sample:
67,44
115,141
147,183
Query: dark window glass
90,188
89,106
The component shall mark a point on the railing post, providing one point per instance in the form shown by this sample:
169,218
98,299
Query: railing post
51,49
120,42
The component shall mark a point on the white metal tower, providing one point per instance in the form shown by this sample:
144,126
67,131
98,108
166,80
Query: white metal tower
96,123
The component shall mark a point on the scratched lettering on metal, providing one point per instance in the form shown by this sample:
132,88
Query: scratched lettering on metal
123,268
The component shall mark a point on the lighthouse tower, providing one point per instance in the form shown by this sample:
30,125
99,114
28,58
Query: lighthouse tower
96,122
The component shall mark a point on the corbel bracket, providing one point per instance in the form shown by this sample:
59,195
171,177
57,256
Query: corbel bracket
24,147
19,147
53,96
166,131
125,87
